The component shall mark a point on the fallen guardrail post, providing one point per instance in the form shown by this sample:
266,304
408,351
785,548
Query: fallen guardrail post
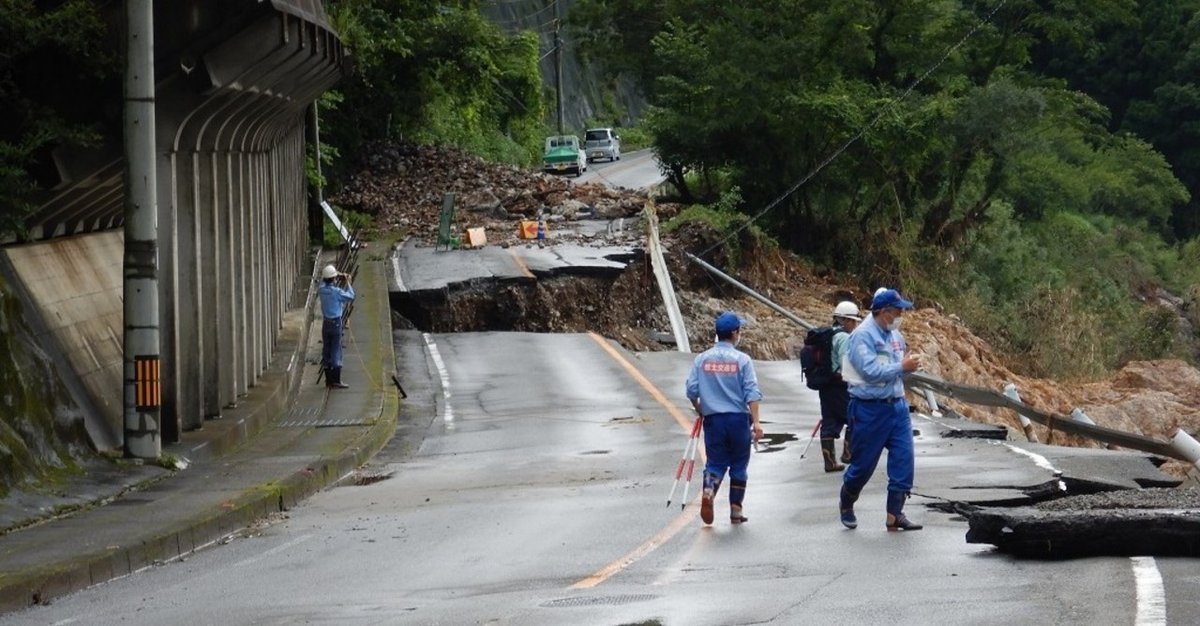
1078,415
934,410
1187,447
663,277
1010,390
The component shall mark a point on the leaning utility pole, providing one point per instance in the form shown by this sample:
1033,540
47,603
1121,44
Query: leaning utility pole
143,438
558,82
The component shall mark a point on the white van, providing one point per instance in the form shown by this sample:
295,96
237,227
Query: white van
602,143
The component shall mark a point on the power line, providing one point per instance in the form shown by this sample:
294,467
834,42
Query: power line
862,131
523,18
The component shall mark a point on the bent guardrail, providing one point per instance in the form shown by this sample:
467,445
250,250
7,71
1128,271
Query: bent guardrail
1182,446
1178,448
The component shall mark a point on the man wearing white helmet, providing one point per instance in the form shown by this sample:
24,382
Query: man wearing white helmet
334,298
834,396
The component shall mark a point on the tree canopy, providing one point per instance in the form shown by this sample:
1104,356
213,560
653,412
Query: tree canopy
67,40
435,72
906,141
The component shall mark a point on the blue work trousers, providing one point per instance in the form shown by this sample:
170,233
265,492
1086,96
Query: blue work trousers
727,443
879,425
331,344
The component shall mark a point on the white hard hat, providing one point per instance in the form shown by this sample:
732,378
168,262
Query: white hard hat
329,272
848,310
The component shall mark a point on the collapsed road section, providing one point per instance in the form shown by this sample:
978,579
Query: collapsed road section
1065,502
1147,522
531,288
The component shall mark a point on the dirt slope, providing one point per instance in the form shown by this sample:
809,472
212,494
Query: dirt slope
402,186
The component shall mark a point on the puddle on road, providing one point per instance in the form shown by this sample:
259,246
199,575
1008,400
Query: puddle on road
773,442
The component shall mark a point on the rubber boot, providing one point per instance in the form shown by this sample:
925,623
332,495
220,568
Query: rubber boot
895,516
847,500
737,493
711,485
846,448
830,455
333,378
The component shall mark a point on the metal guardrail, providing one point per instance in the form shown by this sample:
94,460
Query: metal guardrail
663,277
1182,446
987,397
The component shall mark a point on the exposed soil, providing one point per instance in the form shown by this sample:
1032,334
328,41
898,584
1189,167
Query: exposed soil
402,186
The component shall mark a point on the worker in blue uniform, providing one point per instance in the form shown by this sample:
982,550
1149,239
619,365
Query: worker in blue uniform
723,389
873,367
335,293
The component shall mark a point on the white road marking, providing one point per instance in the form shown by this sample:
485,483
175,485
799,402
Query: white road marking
445,376
275,550
1151,599
1038,459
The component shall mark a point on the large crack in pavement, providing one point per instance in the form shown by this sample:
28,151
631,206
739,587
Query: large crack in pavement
1098,503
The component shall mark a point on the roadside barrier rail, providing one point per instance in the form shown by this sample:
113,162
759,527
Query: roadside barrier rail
922,381
1182,446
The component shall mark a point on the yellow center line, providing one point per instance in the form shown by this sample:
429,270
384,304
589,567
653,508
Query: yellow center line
683,420
682,520
521,264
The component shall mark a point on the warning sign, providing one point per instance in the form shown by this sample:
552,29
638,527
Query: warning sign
529,229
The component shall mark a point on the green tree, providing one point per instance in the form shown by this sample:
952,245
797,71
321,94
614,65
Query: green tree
1145,71
878,137
436,73
69,42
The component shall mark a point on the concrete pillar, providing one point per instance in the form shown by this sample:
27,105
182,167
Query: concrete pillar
208,265
168,302
225,304
1010,390
187,295
142,358
274,224
258,263
241,287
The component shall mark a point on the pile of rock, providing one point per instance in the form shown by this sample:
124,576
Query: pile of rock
403,186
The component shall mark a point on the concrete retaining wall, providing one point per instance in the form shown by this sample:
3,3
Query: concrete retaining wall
74,285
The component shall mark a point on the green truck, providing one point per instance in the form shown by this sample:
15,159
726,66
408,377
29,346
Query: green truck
564,155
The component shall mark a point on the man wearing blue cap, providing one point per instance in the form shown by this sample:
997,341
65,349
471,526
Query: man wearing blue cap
723,389
873,366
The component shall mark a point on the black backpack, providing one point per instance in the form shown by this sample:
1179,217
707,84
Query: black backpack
815,357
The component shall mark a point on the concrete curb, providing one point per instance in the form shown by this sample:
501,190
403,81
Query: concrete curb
206,528
210,525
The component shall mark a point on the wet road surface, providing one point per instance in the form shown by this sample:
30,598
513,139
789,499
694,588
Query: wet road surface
528,486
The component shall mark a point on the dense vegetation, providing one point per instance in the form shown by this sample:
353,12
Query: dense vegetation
68,41
1030,165
435,72
1027,164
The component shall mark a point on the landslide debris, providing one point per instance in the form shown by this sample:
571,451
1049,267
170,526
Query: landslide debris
402,186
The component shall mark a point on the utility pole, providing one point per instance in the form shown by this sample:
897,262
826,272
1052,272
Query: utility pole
143,397
558,81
